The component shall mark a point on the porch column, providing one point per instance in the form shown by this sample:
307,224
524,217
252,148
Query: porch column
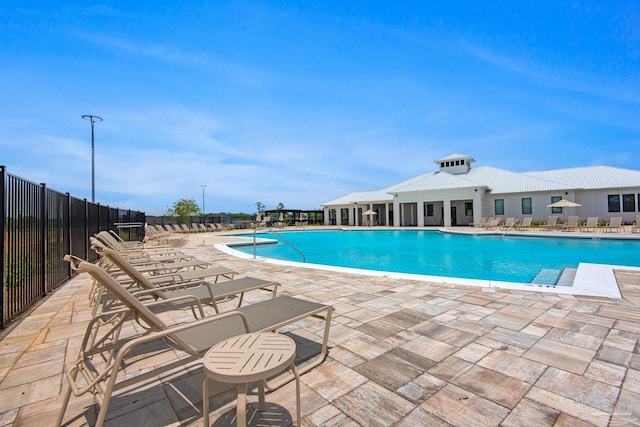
386,214
477,206
326,216
396,213
420,213
447,212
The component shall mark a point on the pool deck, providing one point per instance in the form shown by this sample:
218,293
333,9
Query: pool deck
402,352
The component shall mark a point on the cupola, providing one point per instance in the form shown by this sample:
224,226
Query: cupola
455,164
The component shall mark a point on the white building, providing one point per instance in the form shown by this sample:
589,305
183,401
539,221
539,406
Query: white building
458,194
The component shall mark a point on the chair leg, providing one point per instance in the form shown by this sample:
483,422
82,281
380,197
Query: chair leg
63,408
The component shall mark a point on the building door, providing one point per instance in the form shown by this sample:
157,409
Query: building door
454,220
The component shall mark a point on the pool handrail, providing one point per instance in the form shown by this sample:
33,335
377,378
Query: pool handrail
271,230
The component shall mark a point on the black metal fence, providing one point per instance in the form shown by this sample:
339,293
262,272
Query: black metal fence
40,226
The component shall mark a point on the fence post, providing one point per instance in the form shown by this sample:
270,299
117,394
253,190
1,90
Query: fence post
3,267
44,227
86,229
67,233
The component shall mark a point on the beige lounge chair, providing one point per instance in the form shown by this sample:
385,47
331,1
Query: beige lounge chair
481,224
591,224
636,225
194,285
109,240
572,224
614,225
493,223
526,224
508,223
106,352
551,224
171,278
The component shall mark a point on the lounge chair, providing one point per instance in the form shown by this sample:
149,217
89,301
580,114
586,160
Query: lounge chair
526,224
508,224
172,278
109,240
614,225
161,265
572,224
481,224
635,228
591,224
493,223
551,224
194,285
104,355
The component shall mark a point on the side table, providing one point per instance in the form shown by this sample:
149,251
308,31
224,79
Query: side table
246,358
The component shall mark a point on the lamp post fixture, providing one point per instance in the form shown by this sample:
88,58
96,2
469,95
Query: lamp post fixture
203,187
92,119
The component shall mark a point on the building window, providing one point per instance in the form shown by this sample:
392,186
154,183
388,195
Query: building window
556,210
429,209
441,164
628,203
614,202
499,206
638,205
526,206
457,162
468,209
447,164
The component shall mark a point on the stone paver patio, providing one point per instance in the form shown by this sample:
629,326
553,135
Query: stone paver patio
402,352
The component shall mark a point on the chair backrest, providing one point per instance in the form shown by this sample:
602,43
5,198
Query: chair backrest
140,279
114,288
552,220
616,221
527,221
572,220
592,221
106,238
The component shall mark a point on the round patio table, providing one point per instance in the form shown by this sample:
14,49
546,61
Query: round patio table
246,358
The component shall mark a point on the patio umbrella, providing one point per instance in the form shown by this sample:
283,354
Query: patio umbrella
564,204
281,217
370,213
258,218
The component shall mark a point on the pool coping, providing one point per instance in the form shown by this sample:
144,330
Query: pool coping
590,279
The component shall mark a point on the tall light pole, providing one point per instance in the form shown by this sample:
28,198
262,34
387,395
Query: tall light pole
92,119
203,187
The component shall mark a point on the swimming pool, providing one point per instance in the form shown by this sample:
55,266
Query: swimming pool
538,260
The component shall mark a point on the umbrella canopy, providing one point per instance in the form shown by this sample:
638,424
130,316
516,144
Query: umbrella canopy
370,212
281,217
258,218
564,204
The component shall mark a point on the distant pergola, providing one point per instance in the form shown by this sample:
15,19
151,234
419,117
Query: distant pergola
295,216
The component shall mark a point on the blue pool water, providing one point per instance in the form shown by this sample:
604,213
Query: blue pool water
509,258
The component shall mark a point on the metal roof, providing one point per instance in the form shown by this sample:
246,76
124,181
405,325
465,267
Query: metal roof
592,177
362,196
501,181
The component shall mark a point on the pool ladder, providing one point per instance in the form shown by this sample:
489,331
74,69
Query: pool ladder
285,241
513,224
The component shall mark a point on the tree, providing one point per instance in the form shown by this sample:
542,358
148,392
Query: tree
260,207
184,208
280,206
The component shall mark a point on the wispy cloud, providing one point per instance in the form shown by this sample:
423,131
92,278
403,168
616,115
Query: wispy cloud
570,80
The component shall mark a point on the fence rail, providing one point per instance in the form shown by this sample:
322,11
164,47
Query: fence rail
40,226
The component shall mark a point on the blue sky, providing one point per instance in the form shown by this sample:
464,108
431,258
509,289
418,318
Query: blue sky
302,102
